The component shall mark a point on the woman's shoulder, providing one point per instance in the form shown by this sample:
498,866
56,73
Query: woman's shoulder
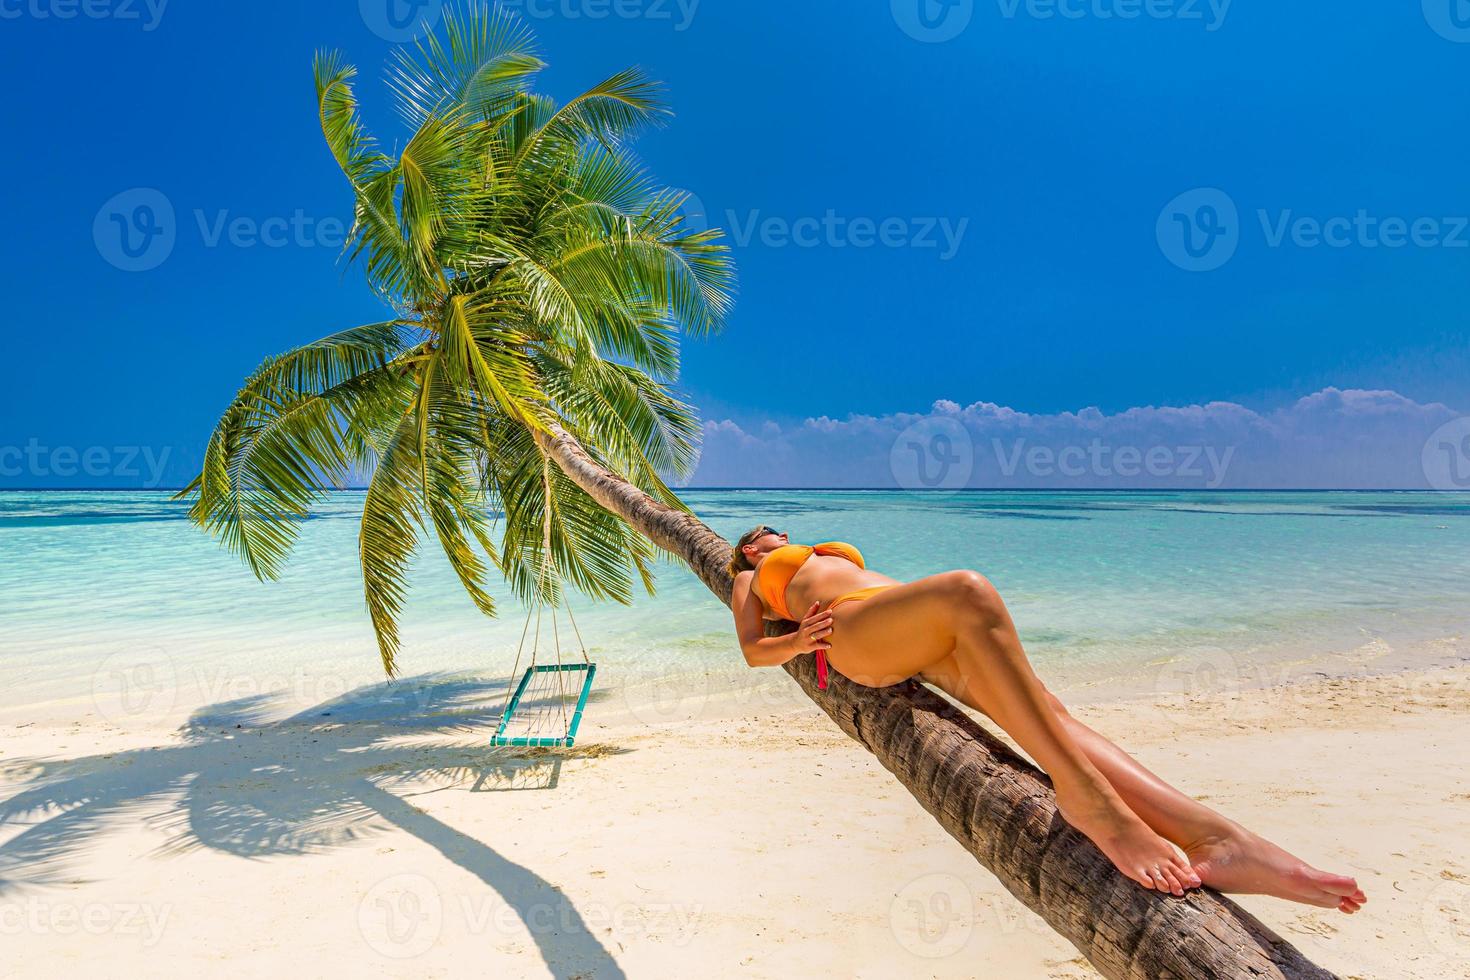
745,581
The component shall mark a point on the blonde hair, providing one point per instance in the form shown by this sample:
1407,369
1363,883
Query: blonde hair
740,562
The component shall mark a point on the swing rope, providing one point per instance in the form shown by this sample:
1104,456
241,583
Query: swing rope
568,725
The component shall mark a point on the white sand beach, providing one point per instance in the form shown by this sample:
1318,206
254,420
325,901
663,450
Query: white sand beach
729,829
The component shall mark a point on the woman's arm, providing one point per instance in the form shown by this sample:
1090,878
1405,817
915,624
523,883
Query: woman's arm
773,651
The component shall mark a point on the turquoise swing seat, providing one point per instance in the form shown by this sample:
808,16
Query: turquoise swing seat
533,724
536,715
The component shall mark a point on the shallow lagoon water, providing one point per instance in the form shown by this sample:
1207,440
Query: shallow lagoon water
1104,586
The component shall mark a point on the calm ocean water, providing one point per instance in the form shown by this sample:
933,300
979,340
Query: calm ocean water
1104,586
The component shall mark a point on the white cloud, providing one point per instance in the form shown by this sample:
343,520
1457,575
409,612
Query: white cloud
1332,438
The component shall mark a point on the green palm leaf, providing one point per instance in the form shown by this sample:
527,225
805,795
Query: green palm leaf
541,278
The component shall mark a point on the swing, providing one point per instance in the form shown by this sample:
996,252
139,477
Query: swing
536,714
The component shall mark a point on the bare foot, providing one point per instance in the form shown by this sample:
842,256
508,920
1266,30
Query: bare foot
1128,842
1237,860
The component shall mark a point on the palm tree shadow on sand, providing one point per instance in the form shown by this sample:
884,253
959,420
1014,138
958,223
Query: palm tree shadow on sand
250,783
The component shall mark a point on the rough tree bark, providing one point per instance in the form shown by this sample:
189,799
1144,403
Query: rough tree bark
996,804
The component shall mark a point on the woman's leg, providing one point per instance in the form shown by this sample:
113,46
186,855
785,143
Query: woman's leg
909,628
1225,855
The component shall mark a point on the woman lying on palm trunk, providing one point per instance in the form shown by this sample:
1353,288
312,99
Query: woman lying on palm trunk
953,631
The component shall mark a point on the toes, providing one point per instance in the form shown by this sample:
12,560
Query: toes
1175,886
1340,884
1349,906
1187,878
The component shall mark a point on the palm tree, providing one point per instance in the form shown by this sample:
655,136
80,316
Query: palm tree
539,278
541,282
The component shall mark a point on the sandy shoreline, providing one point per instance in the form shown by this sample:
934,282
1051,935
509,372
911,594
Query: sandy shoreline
738,831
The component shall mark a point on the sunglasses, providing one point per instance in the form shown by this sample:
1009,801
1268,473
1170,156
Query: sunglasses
762,533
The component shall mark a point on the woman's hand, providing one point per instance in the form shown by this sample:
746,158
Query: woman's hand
814,629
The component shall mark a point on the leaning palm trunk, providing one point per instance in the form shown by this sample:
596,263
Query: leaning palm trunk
998,806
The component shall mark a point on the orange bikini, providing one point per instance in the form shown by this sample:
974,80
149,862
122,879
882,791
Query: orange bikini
779,568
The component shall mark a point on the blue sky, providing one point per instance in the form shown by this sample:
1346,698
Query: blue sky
986,205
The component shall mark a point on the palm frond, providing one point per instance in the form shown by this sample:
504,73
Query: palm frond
607,113
351,146
391,519
485,58
292,433
541,277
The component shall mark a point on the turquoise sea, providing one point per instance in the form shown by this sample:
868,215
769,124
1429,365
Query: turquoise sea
1105,588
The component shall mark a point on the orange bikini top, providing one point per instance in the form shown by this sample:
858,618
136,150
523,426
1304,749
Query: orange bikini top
779,567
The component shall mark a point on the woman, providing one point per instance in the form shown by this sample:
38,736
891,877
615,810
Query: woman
953,631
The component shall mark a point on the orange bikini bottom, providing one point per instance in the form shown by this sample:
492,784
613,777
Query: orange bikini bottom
867,593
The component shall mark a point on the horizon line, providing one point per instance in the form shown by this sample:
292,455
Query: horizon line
363,489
